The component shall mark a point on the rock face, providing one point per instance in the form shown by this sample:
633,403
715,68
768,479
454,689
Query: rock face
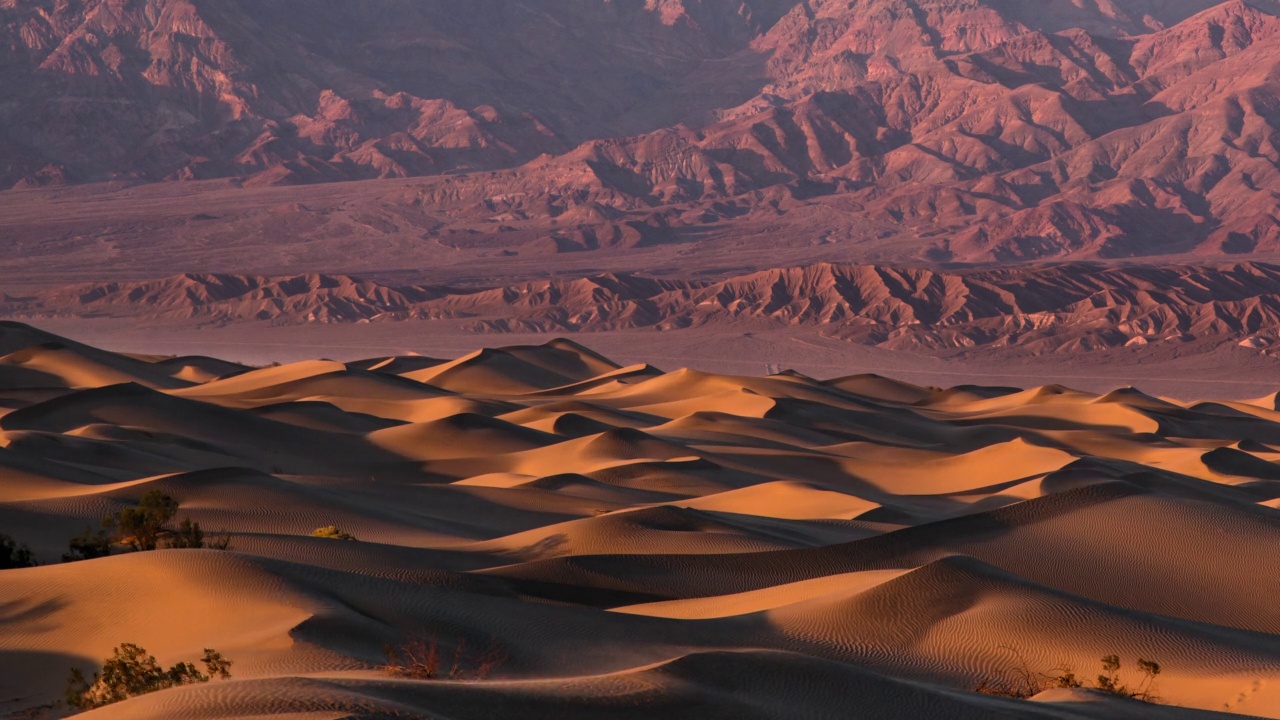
1032,310
304,90
985,130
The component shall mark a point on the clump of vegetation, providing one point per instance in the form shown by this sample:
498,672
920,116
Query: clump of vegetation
90,544
142,528
332,533
1021,682
13,555
132,671
1109,680
423,658
189,535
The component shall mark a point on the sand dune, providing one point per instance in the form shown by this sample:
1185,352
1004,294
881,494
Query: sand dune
637,543
711,682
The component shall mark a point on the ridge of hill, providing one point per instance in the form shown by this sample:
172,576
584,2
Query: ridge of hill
970,130
1034,310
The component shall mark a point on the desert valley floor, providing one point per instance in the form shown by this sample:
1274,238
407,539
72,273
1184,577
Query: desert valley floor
634,543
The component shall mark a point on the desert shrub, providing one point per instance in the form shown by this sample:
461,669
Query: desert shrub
1021,682
13,555
190,535
216,665
92,544
332,532
132,671
141,527
1109,678
423,658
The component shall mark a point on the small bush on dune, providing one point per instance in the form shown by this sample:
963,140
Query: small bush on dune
142,528
332,532
1021,682
189,535
90,544
1109,680
423,658
131,671
13,555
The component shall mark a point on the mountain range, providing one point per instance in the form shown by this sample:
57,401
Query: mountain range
954,130
1032,311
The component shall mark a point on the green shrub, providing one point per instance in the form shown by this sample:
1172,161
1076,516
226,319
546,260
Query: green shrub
140,527
131,671
13,555
89,544
189,535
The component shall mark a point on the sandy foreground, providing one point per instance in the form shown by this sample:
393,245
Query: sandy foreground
635,543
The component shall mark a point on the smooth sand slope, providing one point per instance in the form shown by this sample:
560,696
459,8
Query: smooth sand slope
634,543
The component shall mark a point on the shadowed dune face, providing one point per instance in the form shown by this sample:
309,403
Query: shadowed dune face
638,543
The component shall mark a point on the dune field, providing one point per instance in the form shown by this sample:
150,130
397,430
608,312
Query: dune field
624,542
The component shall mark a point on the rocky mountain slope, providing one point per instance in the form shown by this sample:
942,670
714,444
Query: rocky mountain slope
307,90
979,130
1075,307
